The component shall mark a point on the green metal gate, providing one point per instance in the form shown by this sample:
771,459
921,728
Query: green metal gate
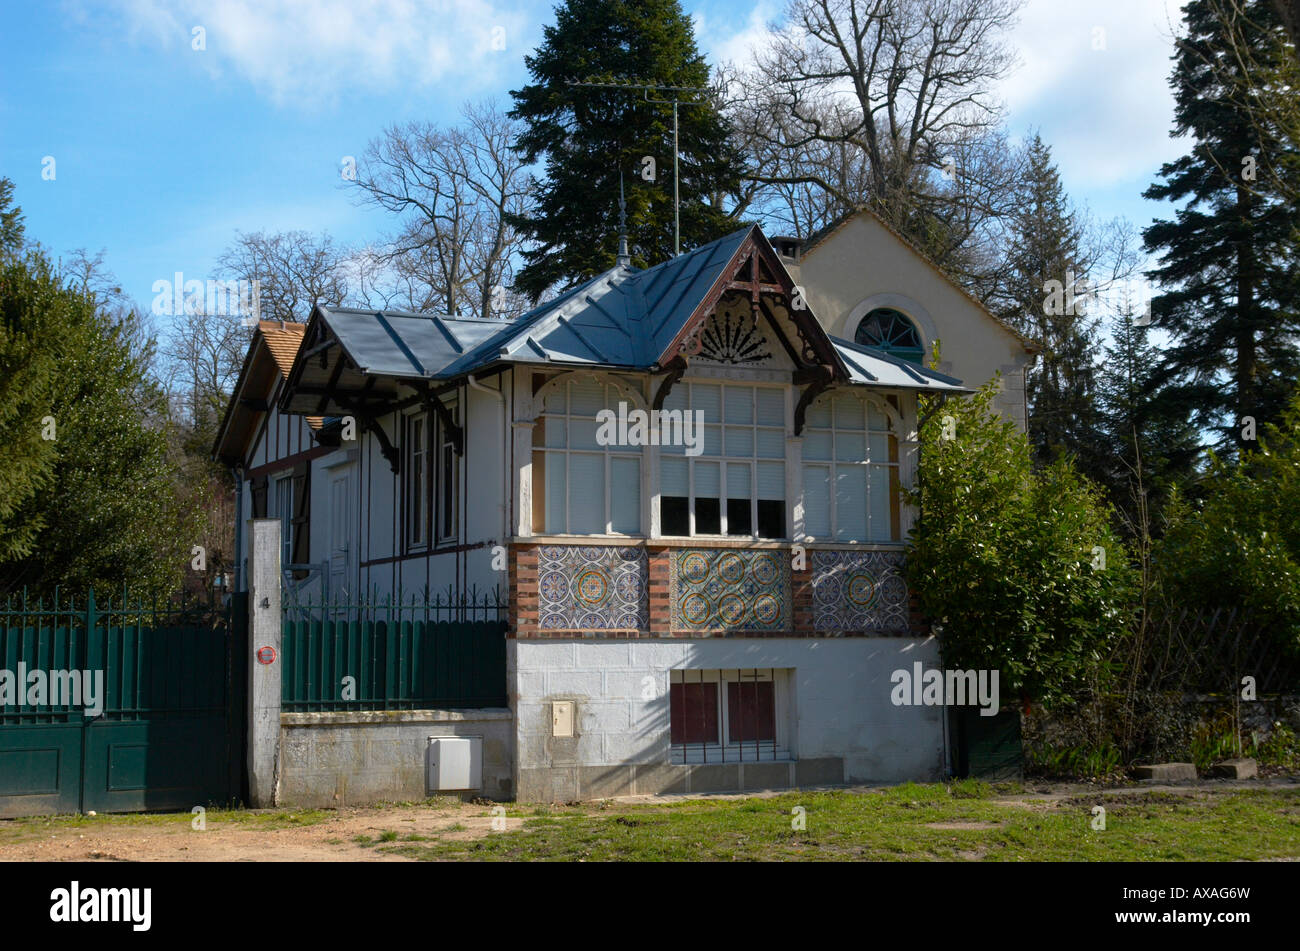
115,707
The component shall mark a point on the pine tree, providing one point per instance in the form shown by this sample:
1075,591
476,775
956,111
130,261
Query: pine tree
1228,260
586,136
1048,263
1151,451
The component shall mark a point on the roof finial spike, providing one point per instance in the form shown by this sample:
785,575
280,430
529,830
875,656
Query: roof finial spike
623,257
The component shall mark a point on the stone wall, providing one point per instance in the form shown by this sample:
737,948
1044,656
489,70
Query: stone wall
336,759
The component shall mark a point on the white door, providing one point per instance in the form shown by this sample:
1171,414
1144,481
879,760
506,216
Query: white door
341,530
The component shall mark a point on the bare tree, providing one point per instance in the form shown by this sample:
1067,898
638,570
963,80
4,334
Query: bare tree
292,271
885,103
452,190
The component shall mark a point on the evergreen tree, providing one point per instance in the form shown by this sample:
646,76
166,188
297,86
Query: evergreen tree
1048,262
586,136
11,219
88,493
1151,451
1228,260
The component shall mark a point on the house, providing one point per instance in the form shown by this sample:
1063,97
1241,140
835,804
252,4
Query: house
686,480
867,283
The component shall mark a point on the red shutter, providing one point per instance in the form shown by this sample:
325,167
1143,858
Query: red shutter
693,713
751,711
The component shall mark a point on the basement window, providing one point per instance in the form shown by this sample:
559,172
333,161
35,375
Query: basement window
728,716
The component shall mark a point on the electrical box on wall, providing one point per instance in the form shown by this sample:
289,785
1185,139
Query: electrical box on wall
562,718
455,763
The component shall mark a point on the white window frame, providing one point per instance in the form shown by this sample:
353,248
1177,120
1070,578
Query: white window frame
752,461
608,454
415,537
726,751
891,417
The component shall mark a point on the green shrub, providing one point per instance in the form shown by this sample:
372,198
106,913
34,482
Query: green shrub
1020,570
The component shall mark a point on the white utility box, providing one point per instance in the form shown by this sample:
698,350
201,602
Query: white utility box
455,763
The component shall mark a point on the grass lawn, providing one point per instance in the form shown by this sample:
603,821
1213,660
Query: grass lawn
962,821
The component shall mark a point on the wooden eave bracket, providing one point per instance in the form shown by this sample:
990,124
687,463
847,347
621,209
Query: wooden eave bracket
818,379
676,368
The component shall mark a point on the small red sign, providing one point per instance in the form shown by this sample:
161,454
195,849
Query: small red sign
266,655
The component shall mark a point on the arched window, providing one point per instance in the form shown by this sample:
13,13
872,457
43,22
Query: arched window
891,331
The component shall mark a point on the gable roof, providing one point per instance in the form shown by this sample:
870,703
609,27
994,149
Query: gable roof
821,235
621,319
270,356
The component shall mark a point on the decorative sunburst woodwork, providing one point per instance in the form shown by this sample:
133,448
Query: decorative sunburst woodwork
730,335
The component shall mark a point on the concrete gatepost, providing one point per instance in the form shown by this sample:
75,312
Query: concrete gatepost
265,626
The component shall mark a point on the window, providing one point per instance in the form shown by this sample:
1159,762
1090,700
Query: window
448,486
736,485
579,486
415,489
891,331
720,716
430,482
850,471
284,512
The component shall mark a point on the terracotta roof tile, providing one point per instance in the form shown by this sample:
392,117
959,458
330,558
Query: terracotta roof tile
283,340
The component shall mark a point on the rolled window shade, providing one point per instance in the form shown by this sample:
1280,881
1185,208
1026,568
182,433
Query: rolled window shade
625,495
738,480
817,501
673,479
708,480
770,405
771,480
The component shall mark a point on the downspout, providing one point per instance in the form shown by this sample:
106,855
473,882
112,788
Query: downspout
238,473
505,449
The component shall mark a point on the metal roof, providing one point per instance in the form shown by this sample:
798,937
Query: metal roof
873,367
621,319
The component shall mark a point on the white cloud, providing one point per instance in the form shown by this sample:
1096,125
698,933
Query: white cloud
308,51
722,41
1105,111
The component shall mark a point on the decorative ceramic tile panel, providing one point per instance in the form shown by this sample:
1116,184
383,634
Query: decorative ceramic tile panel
859,591
592,588
727,590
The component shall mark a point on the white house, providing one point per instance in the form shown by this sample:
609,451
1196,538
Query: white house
721,607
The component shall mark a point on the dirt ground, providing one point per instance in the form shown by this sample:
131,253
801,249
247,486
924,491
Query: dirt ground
276,836
224,840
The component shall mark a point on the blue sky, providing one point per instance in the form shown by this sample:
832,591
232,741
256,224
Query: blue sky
162,152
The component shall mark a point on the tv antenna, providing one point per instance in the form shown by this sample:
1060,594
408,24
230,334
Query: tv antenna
647,89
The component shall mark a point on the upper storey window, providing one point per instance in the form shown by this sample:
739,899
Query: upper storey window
891,331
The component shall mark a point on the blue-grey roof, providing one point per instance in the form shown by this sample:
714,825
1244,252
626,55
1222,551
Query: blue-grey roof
878,368
622,319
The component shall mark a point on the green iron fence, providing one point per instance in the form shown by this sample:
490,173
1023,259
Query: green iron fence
395,653
116,704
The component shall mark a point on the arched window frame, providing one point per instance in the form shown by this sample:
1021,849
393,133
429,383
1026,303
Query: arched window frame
913,310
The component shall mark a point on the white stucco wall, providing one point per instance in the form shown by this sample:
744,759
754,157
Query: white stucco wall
862,266
839,693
